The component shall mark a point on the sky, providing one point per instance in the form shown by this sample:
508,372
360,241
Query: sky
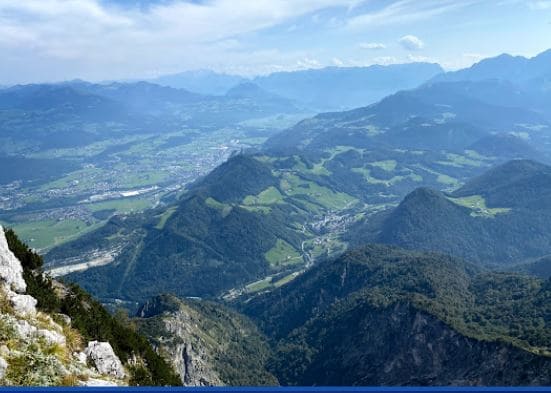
97,40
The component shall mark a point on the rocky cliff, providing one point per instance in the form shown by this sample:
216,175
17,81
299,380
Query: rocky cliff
206,343
37,348
405,346
381,315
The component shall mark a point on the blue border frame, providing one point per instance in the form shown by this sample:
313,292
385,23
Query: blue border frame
233,389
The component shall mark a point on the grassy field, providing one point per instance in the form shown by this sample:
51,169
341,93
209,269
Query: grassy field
295,186
387,165
477,204
286,279
42,235
143,179
260,285
442,178
283,254
123,205
81,180
164,217
268,283
396,179
269,196
317,169
462,161
221,207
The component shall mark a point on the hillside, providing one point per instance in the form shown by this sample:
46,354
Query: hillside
540,267
56,334
505,145
528,76
517,183
208,344
385,316
213,240
500,217
457,113
290,209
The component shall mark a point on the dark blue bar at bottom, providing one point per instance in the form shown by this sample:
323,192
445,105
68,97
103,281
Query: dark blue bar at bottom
279,389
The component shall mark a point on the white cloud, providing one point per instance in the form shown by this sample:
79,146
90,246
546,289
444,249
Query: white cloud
474,57
420,59
405,11
58,39
338,62
411,42
307,63
372,45
385,60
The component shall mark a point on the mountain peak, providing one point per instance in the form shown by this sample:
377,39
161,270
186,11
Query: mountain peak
514,183
254,177
517,69
423,195
248,90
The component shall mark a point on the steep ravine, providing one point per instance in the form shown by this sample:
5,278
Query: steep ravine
207,343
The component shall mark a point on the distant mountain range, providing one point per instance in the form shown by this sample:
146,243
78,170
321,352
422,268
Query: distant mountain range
338,88
201,81
515,69
75,113
331,88
443,115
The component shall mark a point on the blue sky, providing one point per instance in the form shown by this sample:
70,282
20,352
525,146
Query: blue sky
51,40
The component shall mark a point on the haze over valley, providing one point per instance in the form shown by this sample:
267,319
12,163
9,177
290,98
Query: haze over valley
256,204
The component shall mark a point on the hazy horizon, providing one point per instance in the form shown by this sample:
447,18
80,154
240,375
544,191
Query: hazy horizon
100,40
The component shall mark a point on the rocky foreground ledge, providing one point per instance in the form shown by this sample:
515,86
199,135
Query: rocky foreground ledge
41,349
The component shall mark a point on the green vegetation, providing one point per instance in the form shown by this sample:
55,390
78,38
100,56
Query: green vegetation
448,180
165,216
316,169
338,308
203,240
90,318
81,180
283,254
387,165
295,186
492,220
260,285
366,173
269,196
478,206
49,233
228,342
285,280
143,179
460,161
224,209
123,205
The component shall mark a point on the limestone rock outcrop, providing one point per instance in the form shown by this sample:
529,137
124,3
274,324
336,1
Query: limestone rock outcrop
12,281
104,359
38,351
